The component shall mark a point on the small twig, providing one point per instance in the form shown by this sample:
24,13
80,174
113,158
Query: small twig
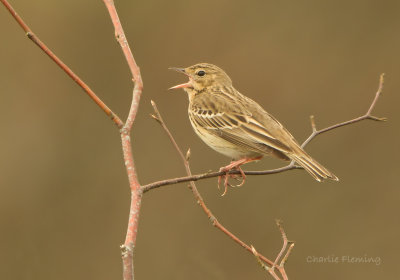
280,266
285,258
313,126
291,166
366,116
196,193
285,242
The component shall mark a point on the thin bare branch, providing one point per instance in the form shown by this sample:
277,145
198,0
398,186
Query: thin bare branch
285,242
285,258
366,116
196,193
198,177
114,117
291,166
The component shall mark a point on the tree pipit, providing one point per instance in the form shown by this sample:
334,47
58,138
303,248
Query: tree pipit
236,126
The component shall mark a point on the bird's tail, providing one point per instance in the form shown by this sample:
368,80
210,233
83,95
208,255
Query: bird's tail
311,166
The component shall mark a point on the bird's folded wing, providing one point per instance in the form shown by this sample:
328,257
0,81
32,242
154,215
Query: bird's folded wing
239,128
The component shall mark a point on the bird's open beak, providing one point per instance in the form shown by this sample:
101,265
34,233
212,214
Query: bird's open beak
185,85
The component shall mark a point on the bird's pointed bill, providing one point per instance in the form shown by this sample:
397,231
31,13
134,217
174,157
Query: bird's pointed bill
184,85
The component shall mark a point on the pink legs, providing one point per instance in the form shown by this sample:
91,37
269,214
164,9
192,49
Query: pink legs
234,165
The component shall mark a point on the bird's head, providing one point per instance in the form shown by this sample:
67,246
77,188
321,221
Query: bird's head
203,75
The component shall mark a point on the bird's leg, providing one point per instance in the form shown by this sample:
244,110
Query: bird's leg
234,165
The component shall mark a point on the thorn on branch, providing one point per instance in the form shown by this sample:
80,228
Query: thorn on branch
381,79
188,154
377,119
313,126
154,117
157,115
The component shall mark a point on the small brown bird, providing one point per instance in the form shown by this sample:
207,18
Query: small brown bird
237,126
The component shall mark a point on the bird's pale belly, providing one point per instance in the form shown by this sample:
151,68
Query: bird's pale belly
224,147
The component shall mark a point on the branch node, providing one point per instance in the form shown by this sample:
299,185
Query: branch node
213,220
126,250
257,256
124,131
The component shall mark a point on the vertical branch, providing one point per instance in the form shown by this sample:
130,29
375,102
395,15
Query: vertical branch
136,192
127,249
134,68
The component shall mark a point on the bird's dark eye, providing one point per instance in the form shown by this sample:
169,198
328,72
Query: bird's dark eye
201,73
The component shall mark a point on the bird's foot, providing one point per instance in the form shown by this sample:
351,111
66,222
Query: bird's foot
234,165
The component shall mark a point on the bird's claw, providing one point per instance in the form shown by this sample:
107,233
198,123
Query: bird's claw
233,176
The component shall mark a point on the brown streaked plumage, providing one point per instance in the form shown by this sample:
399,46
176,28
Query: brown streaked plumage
237,126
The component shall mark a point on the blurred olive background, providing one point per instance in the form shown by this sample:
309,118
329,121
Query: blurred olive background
64,196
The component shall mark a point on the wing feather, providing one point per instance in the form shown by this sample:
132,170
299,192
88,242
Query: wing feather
228,118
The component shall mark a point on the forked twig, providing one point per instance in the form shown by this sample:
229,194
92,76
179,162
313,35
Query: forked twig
366,116
291,166
281,266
